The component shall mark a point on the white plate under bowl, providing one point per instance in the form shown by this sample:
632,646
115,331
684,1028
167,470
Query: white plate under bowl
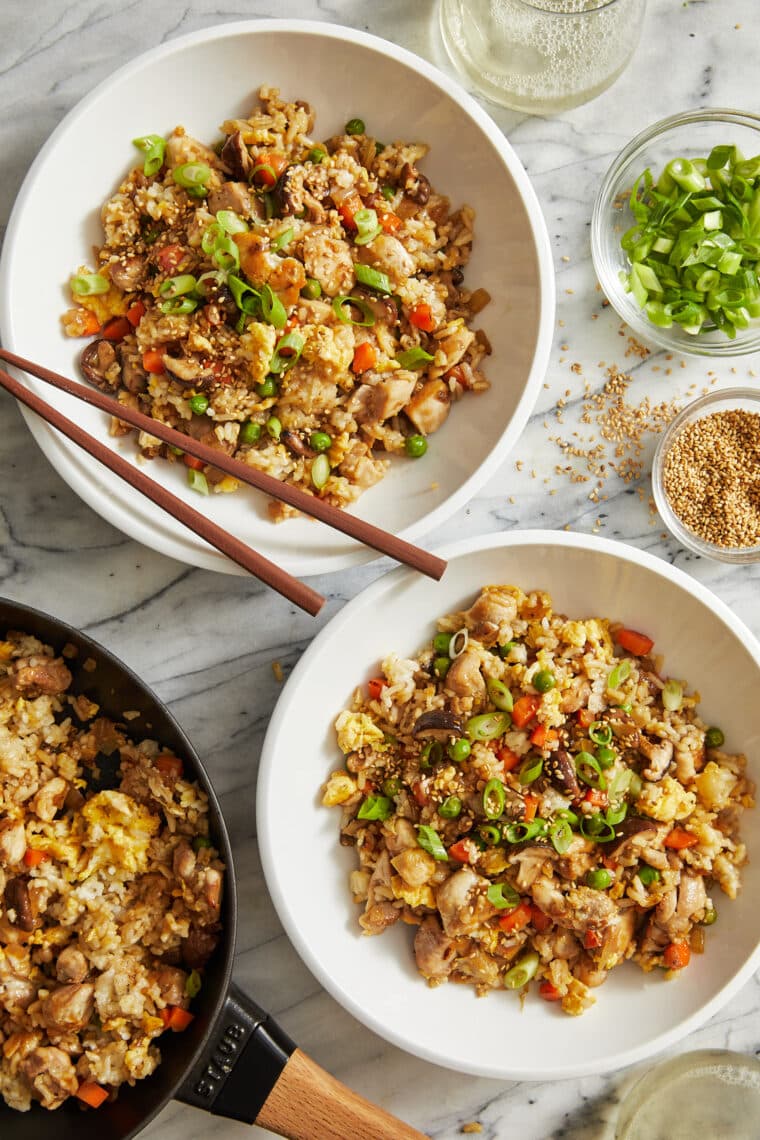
636,1014
199,80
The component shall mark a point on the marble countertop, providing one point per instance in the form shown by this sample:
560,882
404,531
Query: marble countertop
196,636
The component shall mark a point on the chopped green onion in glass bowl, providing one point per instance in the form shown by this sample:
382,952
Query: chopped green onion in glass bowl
675,233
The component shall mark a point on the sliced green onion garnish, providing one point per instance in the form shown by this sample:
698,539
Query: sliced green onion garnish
272,308
375,807
367,228
341,306
391,786
431,754
616,815
193,984
231,222
247,299
89,284
320,471
605,756
672,695
487,726
450,808
273,427
179,305
197,480
530,769
597,828
600,733
286,353
283,239
621,672
561,835
502,896
373,278
193,176
522,831
154,149
589,770
388,192
430,841
490,834
494,794
413,358
226,253
522,972
499,694
177,286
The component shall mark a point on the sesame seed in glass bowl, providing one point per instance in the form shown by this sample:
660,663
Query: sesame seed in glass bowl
675,233
706,476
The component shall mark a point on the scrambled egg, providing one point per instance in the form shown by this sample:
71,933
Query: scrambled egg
666,801
257,345
355,730
413,896
339,788
117,830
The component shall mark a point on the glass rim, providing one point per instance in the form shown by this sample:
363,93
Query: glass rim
547,7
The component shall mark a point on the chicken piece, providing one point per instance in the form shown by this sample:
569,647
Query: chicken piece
415,867
659,753
575,696
399,835
36,676
580,910
462,902
68,1008
361,468
233,196
689,753
456,344
171,983
578,859
429,407
464,678
71,965
183,861
51,1074
12,842
284,275
329,260
374,403
586,970
616,940
480,968
490,618
212,888
692,897
529,862
379,917
387,254
49,799
433,950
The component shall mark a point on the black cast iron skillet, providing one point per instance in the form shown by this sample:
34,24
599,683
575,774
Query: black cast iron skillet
233,1060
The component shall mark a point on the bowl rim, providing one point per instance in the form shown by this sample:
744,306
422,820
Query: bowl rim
689,346
372,595
729,554
150,532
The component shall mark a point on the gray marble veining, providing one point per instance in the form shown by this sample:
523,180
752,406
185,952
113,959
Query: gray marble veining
205,640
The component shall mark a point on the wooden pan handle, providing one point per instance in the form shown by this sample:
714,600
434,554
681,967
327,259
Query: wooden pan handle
307,1102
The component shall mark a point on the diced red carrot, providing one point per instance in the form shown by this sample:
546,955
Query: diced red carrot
531,806
365,357
116,329
540,920
421,317
596,797
525,709
390,222
585,718
170,257
592,940
508,758
632,641
153,361
33,856
89,324
419,793
348,207
191,461
92,1094
461,851
376,686
542,736
549,992
261,175
176,1018
135,313
517,918
169,765
679,839
677,955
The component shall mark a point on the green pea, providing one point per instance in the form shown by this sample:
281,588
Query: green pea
441,642
605,756
600,880
388,192
274,427
320,440
711,916
714,737
391,786
267,388
506,649
543,681
459,750
441,666
648,875
201,841
198,404
312,290
415,446
250,432
317,154
355,127
450,808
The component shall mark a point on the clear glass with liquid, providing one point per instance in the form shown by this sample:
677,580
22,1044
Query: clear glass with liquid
541,56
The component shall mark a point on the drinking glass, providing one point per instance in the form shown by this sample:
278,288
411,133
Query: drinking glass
541,56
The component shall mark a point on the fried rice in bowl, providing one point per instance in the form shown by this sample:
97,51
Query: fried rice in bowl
556,789
332,434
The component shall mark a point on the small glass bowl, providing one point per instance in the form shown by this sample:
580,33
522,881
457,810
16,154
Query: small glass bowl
691,134
729,399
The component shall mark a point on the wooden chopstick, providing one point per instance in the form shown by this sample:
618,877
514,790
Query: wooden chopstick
365,532
256,564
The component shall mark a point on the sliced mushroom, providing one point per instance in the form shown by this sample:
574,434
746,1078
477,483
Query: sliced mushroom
415,185
627,830
199,946
464,677
381,307
99,364
71,965
35,676
295,443
560,769
429,407
235,156
16,899
438,725
658,753
128,273
233,196
292,197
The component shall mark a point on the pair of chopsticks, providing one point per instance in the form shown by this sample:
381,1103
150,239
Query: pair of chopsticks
255,563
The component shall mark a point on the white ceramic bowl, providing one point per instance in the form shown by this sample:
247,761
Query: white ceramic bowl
199,80
306,869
